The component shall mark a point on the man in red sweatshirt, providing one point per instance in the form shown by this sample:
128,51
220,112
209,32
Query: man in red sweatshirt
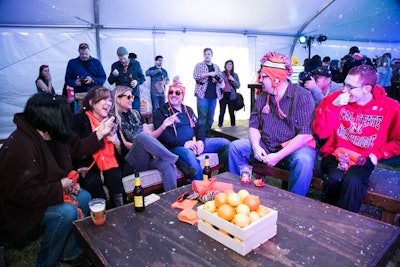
359,125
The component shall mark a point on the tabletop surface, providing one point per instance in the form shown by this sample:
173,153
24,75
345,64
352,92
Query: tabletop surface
310,233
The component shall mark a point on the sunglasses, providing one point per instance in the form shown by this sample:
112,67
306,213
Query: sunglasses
171,92
129,97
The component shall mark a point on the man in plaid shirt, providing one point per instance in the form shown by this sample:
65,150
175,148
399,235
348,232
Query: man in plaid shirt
208,87
280,126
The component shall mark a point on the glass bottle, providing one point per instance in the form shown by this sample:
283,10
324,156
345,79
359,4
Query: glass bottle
138,194
206,169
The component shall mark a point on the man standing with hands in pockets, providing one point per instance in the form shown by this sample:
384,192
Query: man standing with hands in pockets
127,72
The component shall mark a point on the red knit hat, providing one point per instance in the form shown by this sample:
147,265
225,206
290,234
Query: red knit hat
277,67
176,83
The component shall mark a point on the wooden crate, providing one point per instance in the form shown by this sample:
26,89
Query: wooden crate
250,237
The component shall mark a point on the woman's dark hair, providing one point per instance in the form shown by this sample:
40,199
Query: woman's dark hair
41,68
49,113
95,95
233,67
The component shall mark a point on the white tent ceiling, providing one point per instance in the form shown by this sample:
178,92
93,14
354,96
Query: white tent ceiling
35,32
356,20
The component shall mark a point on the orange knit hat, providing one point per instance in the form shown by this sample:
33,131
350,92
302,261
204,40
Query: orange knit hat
277,67
176,83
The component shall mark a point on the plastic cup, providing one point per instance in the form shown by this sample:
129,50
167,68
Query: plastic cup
97,208
245,173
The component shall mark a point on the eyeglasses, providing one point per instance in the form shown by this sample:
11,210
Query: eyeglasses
129,97
177,92
349,87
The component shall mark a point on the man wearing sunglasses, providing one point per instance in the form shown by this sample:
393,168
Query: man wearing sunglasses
360,125
186,137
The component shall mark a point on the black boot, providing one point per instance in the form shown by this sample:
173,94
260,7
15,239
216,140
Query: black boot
186,170
116,200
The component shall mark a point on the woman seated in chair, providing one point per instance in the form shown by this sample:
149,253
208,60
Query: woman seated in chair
145,151
102,165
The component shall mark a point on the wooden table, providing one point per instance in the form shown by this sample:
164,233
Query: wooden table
326,236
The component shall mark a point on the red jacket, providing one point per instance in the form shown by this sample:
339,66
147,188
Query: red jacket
372,128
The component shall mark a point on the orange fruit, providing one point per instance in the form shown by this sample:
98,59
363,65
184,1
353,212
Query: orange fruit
233,199
224,232
242,220
243,208
262,211
254,216
252,201
210,206
226,212
243,193
220,199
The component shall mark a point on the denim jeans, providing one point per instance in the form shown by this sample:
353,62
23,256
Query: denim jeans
59,240
148,153
157,101
345,189
211,145
206,110
300,164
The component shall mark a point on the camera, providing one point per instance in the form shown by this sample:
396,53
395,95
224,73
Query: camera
217,78
82,80
304,76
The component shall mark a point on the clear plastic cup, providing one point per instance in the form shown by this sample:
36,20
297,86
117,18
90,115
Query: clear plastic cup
245,173
97,208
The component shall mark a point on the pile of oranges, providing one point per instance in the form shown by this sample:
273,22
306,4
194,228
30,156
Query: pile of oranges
239,208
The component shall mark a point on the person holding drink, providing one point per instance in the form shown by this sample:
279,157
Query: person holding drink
36,161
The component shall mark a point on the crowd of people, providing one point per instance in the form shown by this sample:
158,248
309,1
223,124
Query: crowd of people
352,123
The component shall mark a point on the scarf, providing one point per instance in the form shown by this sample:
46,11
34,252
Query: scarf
105,157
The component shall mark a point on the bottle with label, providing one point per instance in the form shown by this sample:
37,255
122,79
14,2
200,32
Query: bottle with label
206,169
138,194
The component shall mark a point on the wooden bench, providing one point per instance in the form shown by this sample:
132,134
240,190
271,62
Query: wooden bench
382,193
152,180
383,188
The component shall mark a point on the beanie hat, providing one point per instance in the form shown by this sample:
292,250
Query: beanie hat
274,65
354,49
278,68
176,83
121,51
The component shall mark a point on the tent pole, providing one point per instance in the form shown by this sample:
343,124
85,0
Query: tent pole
96,5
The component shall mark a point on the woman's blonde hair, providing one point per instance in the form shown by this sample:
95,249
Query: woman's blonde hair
116,111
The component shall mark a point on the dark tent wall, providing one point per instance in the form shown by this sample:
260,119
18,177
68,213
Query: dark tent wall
37,32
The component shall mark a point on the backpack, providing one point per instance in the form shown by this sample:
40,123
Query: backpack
238,102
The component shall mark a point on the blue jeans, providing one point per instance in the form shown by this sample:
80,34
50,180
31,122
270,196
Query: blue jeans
211,145
148,153
157,101
345,189
300,164
59,240
206,110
